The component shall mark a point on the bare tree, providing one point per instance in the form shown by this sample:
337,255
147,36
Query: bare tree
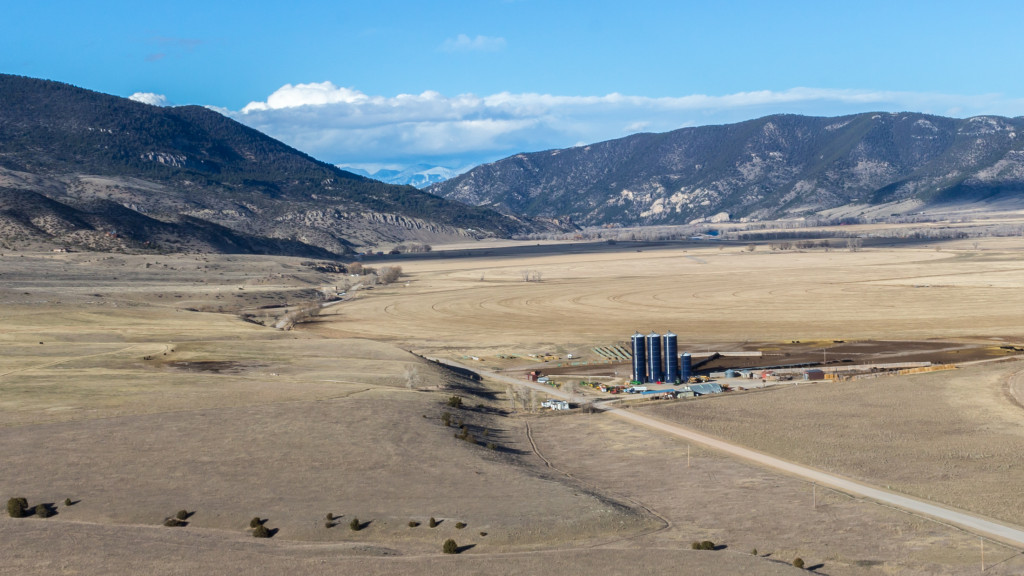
389,274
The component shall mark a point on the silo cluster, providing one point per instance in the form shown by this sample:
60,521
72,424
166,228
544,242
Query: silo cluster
656,358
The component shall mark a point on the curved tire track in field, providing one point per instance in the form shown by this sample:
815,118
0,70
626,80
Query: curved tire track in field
666,523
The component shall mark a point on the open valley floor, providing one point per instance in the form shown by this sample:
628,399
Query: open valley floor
135,386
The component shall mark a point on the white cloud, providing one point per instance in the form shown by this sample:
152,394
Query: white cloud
289,96
345,125
149,98
463,43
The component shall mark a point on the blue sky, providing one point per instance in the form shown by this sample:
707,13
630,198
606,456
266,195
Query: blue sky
456,83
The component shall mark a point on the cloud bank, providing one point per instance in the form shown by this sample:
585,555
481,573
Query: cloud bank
149,98
344,125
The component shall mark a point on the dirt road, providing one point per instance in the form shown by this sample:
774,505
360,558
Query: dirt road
995,530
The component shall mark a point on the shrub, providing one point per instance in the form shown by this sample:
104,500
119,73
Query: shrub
354,524
460,525
432,523
492,446
446,419
389,274
329,517
44,511
413,523
67,502
482,534
455,401
450,547
17,507
798,562
255,522
705,545
261,531
328,524
174,523
753,552
182,515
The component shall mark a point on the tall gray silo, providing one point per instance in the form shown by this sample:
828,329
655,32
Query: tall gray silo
687,367
671,358
654,357
639,358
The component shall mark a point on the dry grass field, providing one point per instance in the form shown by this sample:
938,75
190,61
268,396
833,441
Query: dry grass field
709,296
745,507
954,438
129,383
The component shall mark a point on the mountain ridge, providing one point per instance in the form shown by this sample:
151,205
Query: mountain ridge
775,166
189,164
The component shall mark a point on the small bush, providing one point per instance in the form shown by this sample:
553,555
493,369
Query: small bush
17,507
413,523
67,502
446,419
460,525
432,523
492,446
705,545
174,523
329,517
798,563
450,547
354,525
255,522
753,552
182,515
328,524
482,534
261,531
455,402
44,511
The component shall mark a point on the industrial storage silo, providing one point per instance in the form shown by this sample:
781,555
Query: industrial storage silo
639,358
671,358
687,367
654,357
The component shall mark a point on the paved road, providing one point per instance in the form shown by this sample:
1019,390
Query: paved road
995,530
